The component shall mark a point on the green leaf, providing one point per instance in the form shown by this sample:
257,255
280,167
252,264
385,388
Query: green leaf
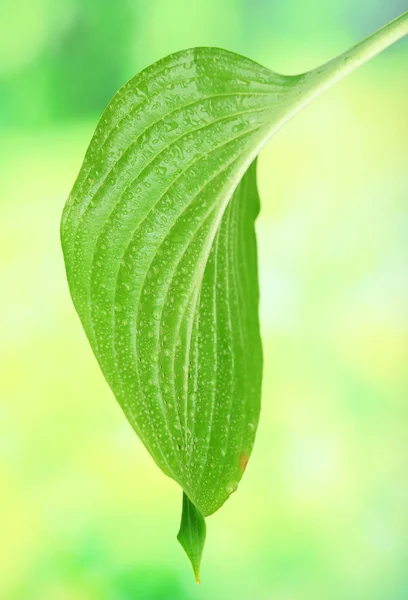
160,253
192,534
162,266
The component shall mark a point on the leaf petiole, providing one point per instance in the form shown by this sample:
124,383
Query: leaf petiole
318,80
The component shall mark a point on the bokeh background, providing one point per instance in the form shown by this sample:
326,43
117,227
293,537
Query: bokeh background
322,512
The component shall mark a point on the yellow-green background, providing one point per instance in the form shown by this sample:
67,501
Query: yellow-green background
322,512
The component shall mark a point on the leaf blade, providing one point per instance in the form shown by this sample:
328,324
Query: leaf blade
138,232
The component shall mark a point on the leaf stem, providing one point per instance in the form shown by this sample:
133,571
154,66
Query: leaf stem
318,80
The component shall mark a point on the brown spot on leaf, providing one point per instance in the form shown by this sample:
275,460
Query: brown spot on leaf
243,461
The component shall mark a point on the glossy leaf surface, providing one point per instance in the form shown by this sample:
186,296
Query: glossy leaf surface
158,237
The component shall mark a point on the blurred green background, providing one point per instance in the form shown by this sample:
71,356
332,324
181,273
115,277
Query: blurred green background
322,512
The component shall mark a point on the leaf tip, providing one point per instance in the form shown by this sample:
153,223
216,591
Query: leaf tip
191,535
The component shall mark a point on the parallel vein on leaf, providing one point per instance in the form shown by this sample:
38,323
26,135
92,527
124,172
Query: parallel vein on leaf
239,324
144,169
141,287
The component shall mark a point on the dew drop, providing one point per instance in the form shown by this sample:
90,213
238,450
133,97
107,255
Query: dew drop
156,313
162,170
170,125
231,487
